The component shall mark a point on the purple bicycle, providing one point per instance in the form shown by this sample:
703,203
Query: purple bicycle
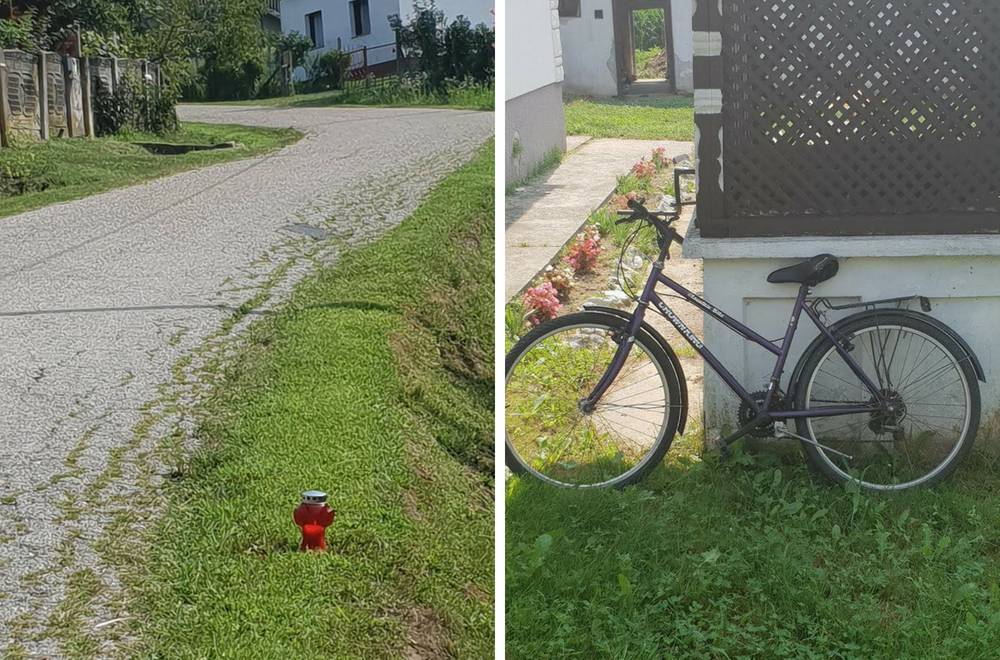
887,397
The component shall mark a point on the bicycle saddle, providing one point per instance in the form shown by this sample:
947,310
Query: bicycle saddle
813,271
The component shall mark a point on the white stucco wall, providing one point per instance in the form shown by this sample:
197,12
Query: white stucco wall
681,15
958,274
589,49
534,53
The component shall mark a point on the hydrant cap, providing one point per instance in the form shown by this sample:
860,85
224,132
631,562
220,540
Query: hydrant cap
314,497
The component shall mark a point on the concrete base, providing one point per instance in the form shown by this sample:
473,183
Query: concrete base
958,273
536,126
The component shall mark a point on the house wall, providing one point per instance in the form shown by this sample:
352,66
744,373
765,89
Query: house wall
957,273
337,22
589,49
535,122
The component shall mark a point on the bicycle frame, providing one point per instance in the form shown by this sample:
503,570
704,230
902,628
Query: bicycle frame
763,413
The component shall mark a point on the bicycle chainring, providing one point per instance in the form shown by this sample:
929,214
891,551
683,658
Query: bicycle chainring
745,414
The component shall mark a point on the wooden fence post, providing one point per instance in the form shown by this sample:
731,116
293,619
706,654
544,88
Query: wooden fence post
43,96
88,110
4,107
115,72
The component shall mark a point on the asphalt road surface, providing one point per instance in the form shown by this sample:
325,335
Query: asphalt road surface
109,305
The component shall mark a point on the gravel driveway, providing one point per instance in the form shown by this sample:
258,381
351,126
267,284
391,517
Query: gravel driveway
112,306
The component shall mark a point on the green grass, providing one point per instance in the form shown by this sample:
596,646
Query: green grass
75,168
462,98
753,558
375,383
665,118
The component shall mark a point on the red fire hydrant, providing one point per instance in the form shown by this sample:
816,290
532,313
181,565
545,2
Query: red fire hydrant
313,515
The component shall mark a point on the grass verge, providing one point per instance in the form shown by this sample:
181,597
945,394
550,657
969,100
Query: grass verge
73,168
475,97
753,558
375,383
663,118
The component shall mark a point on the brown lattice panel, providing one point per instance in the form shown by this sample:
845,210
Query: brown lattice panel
861,108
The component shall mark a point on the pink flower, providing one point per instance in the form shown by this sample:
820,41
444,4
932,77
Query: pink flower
542,303
583,254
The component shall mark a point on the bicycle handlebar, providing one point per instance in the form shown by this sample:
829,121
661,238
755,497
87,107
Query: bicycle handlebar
660,220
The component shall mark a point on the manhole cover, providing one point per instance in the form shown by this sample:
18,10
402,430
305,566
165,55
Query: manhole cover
307,230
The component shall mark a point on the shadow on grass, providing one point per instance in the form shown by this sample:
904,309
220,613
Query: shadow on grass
753,557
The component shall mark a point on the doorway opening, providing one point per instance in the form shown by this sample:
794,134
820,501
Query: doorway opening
649,45
644,46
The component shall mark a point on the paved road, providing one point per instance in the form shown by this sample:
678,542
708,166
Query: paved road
105,301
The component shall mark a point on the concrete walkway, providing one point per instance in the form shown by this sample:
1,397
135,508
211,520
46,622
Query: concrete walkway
542,216
112,307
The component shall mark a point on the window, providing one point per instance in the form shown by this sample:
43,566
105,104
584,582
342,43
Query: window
314,24
360,23
569,8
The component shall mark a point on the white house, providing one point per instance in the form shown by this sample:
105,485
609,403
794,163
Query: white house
349,25
597,45
535,122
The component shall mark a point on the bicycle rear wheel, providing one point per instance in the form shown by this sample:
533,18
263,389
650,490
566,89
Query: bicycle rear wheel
558,364
929,422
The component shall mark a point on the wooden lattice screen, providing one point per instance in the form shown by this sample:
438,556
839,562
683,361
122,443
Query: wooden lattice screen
848,116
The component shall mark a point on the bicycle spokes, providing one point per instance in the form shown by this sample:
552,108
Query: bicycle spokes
562,440
920,411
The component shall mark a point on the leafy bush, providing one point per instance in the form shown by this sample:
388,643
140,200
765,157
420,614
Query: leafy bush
446,54
19,171
229,82
133,105
295,43
329,70
18,32
648,26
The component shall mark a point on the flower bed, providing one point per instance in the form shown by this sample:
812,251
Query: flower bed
585,268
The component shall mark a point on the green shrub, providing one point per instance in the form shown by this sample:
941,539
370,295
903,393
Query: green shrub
295,43
18,32
445,54
232,82
134,105
19,171
329,70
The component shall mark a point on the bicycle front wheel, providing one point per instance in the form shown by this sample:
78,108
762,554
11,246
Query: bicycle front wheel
930,415
551,436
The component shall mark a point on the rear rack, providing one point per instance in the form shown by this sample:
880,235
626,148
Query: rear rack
900,303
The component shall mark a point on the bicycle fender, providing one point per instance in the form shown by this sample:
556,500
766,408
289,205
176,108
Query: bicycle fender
674,360
838,325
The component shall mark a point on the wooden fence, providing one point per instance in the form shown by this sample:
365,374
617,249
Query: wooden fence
47,95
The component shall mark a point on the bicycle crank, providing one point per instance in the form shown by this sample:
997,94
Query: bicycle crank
781,431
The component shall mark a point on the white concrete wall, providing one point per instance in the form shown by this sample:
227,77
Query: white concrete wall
681,15
534,53
337,22
589,51
962,288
